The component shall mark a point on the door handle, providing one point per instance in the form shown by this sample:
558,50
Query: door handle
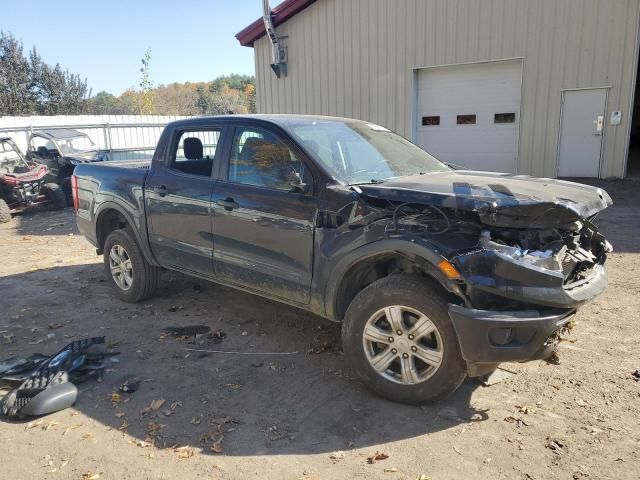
228,204
159,189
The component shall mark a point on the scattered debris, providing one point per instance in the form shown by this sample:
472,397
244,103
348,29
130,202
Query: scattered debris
46,383
517,420
636,375
337,456
188,331
156,404
172,409
90,476
184,451
556,446
217,337
130,385
376,457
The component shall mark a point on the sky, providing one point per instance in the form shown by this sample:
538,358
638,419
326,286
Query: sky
190,40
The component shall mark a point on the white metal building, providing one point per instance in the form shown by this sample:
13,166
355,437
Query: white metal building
540,87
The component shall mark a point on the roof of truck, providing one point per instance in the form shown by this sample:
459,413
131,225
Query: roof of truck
278,119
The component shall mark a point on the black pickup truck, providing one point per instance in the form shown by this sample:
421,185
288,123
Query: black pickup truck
435,273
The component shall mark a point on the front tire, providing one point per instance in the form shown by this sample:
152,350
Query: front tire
55,195
5,212
130,275
399,339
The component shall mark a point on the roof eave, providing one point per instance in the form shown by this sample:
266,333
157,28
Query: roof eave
281,14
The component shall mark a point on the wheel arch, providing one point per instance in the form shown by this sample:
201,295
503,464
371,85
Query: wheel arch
112,216
377,260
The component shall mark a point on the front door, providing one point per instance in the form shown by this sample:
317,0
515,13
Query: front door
581,132
178,202
262,226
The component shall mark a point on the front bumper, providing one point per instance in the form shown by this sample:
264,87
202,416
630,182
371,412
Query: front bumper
489,337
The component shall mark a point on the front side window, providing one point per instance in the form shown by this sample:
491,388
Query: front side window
260,158
195,152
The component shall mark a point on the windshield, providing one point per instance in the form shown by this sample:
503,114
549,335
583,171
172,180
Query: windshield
71,146
358,152
10,160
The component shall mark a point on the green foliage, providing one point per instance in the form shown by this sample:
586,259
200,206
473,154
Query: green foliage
30,86
146,106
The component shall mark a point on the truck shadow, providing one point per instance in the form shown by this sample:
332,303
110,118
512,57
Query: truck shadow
266,404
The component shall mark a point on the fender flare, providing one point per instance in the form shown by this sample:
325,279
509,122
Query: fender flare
143,244
423,252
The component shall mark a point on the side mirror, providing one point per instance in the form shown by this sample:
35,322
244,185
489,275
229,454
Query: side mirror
298,185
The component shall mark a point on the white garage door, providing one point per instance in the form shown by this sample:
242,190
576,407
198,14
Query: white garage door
469,114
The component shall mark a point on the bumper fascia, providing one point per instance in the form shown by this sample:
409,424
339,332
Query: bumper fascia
491,337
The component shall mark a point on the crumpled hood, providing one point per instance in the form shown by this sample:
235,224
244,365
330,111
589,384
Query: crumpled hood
500,199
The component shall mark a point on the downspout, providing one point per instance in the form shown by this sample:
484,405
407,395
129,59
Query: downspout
278,53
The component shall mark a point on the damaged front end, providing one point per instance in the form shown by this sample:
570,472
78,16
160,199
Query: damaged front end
527,256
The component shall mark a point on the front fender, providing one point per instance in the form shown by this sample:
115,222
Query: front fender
419,250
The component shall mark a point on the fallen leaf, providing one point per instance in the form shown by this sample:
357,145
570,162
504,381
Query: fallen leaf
555,445
373,458
196,420
184,452
90,476
216,447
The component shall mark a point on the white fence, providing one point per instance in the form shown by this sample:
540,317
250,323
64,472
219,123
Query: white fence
130,136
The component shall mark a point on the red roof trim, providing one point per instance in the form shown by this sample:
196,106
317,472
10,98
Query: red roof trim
281,14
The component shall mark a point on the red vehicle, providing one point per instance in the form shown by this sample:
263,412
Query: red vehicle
22,183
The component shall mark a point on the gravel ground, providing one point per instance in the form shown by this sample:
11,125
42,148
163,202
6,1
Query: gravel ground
302,415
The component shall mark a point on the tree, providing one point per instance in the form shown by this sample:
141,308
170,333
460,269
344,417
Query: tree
16,86
146,86
31,86
104,103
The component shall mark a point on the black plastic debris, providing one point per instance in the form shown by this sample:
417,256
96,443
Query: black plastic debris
50,385
130,385
188,331
217,337
636,375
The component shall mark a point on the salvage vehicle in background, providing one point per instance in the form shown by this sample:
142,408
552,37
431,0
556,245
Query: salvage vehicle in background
61,149
435,273
23,184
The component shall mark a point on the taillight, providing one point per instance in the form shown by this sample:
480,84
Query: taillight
74,191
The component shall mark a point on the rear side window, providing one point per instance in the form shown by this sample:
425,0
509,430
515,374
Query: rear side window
260,158
195,152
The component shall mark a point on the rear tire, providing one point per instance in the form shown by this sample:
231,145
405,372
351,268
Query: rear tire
55,195
130,275
415,356
5,212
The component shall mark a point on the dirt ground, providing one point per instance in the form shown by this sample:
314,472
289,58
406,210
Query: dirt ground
302,416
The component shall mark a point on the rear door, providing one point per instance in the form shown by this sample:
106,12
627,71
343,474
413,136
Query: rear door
262,227
178,201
